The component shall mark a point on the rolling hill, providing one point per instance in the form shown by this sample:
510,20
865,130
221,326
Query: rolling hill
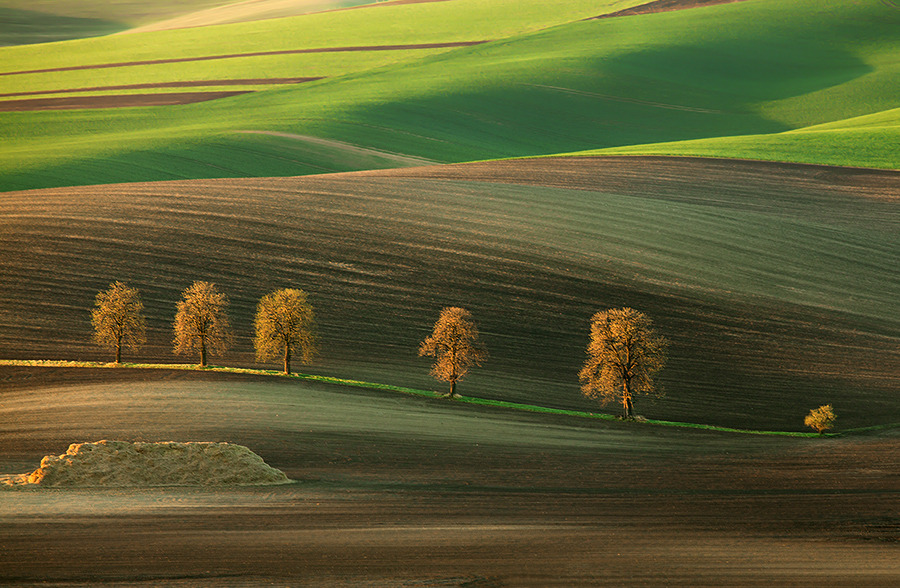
776,283
392,490
712,163
755,79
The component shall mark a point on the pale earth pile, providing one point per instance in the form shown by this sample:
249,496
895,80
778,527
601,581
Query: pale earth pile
126,464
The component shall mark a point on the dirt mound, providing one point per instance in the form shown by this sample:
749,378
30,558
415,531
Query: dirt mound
122,464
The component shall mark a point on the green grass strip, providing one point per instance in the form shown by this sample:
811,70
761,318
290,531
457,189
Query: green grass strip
424,393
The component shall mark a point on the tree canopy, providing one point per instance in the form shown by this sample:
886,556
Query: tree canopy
201,322
624,354
285,324
118,319
455,346
821,419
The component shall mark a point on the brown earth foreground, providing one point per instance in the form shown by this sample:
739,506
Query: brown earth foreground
776,285
633,506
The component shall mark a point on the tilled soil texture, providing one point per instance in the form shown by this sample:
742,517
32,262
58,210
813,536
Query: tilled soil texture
397,491
776,284
665,6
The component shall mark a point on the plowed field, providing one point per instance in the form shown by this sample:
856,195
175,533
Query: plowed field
776,284
397,491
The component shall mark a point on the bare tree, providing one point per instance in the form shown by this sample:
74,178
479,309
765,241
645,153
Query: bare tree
624,354
201,323
285,324
455,346
118,319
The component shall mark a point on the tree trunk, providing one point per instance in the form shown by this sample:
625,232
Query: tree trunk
626,400
287,359
452,388
202,352
119,351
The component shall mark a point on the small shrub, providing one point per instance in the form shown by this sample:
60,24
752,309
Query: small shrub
821,419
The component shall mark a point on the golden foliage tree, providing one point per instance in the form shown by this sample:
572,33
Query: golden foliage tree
118,319
624,354
455,346
201,322
821,419
285,325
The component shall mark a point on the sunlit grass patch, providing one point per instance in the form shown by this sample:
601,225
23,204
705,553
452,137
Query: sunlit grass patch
501,404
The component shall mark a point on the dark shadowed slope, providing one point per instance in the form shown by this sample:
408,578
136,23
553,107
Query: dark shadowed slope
776,284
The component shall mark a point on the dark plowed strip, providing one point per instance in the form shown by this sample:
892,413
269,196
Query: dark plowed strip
254,54
189,84
124,101
664,6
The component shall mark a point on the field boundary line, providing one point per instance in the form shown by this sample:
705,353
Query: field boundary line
361,48
422,393
657,6
185,84
104,101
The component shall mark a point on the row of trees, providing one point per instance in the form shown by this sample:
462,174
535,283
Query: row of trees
284,325
624,354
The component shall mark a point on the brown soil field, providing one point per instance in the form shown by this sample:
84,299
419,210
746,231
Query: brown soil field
182,84
253,54
553,501
528,247
113,101
665,6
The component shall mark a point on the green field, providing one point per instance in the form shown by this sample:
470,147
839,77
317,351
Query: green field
753,79
46,21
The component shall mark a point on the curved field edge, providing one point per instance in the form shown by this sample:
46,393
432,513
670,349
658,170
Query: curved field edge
418,392
871,141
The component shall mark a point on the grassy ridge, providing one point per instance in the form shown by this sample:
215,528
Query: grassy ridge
751,70
408,391
866,141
